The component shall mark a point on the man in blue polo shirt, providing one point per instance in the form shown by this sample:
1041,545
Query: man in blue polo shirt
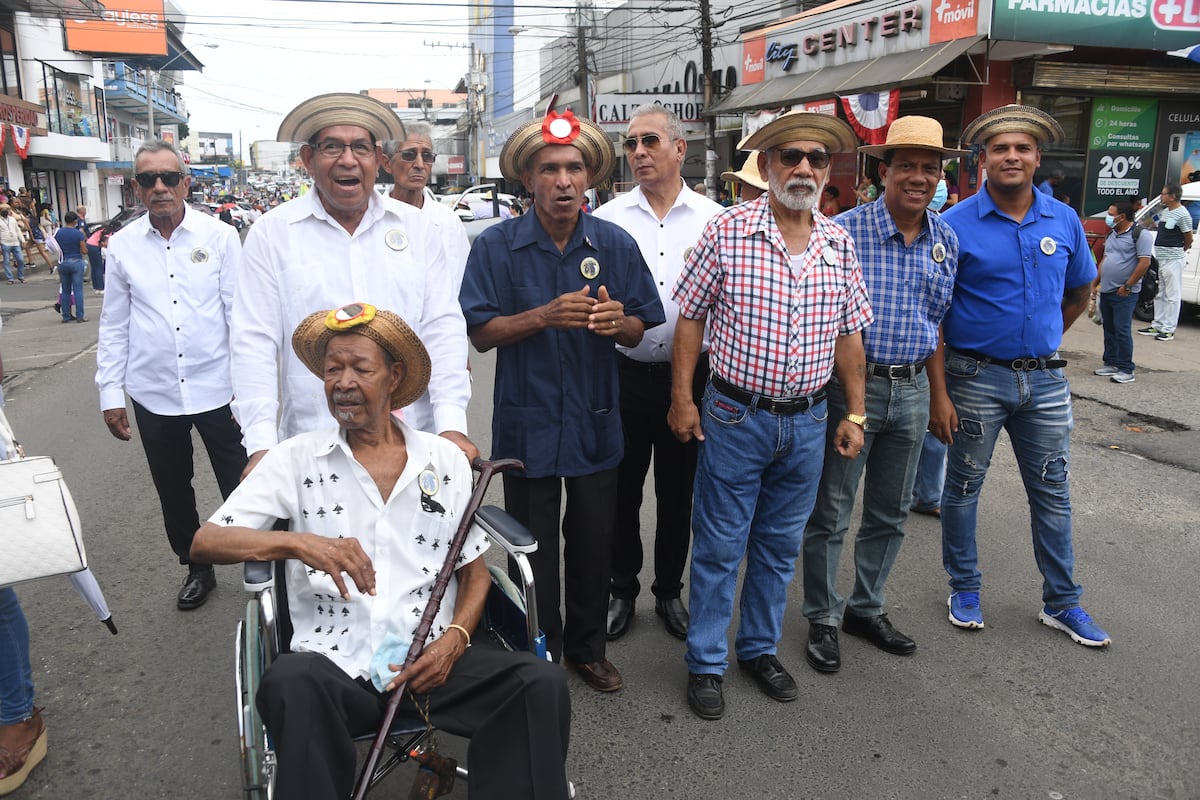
908,257
1024,275
554,292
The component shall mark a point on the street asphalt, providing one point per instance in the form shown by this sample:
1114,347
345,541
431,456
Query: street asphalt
1013,711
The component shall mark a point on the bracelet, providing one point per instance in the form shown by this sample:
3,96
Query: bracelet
456,627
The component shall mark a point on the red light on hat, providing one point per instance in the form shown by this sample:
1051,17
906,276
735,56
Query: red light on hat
560,128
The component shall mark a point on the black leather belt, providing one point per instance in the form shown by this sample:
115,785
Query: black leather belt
896,372
1016,363
646,367
761,402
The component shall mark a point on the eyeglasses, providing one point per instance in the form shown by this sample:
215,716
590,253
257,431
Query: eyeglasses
792,156
147,180
650,141
331,148
428,156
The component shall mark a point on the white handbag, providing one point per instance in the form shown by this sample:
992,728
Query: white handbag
40,535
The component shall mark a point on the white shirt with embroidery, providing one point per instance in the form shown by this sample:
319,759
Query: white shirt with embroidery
314,480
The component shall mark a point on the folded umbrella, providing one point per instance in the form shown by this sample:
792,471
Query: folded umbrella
85,583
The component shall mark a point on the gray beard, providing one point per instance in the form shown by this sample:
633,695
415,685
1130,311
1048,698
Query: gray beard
789,194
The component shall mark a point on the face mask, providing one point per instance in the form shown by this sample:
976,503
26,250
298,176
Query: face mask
1110,220
939,196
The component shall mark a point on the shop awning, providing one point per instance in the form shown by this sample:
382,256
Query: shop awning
883,72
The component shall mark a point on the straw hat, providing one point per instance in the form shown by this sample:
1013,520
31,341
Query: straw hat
385,328
748,173
919,133
554,128
1014,119
340,108
796,126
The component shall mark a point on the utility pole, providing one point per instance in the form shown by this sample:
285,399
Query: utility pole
581,50
710,126
150,104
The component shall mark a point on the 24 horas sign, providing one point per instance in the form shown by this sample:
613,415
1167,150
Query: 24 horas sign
1137,24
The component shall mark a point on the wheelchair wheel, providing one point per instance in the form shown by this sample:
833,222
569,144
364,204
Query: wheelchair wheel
258,762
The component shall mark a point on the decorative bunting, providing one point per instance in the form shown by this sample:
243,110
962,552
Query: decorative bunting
3,129
871,113
21,140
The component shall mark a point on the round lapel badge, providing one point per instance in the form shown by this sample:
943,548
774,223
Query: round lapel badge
199,256
829,256
396,239
589,268
939,252
1049,246
428,481
687,253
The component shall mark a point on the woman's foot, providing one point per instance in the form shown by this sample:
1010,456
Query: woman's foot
22,747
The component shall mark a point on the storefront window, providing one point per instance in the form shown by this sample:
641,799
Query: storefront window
1070,157
10,75
69,101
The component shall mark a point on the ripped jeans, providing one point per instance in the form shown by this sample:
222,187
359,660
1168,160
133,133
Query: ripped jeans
1034,406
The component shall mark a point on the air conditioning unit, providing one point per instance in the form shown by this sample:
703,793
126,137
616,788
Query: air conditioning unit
950,92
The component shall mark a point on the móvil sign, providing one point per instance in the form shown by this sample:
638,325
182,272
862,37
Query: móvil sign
133,27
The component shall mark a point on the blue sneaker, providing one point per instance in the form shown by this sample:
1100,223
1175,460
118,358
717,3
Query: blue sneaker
965,611
1076,623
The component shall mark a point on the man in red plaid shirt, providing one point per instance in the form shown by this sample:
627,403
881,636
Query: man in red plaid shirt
782,291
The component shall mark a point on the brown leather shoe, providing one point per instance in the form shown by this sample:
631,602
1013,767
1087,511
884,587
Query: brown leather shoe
600,675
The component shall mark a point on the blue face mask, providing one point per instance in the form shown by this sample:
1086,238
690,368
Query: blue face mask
1110,220
939,196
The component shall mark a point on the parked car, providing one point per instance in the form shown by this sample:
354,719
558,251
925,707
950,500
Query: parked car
465,204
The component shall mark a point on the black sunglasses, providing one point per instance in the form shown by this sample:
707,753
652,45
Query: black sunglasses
428,156
792,156
649,141
146,180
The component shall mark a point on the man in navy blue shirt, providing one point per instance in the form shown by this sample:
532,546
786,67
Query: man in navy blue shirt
554,291
1024,275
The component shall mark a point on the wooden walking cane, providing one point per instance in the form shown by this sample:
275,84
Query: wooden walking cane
487,469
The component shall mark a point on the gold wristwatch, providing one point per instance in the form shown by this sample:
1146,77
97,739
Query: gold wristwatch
858,419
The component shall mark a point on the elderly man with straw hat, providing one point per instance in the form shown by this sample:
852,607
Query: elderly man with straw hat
781,290
908,257
340,241
554,291
1024,275
363,498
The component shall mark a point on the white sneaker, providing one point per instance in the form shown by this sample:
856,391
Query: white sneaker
1106,371
1123,377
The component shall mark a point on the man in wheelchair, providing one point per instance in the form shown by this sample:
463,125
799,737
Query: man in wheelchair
375,504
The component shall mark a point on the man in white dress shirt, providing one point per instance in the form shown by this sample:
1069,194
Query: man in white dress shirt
665,219
164,339
410,163
337,244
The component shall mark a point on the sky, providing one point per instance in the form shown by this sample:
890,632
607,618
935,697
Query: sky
269,55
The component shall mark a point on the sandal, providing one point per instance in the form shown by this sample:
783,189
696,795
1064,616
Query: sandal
15,765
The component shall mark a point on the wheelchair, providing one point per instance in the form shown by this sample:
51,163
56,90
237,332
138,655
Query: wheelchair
510,618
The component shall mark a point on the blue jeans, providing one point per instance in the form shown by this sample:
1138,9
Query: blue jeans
756,481
16,676
1034,406
12,252
70,281
931,474
897,416
1117,313
96,259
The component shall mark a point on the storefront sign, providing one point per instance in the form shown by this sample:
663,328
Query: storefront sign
456,165
1136,24
614,110
953,19
15,115
753,60
115,180
889,24
1120,150
126,26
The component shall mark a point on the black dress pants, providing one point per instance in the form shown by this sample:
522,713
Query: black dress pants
514,707
167,441
586,553
645,401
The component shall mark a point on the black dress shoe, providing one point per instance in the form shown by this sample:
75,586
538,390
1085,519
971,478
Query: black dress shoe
195,589
879,632
674,616
620,617
822,650
704,696
771,677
